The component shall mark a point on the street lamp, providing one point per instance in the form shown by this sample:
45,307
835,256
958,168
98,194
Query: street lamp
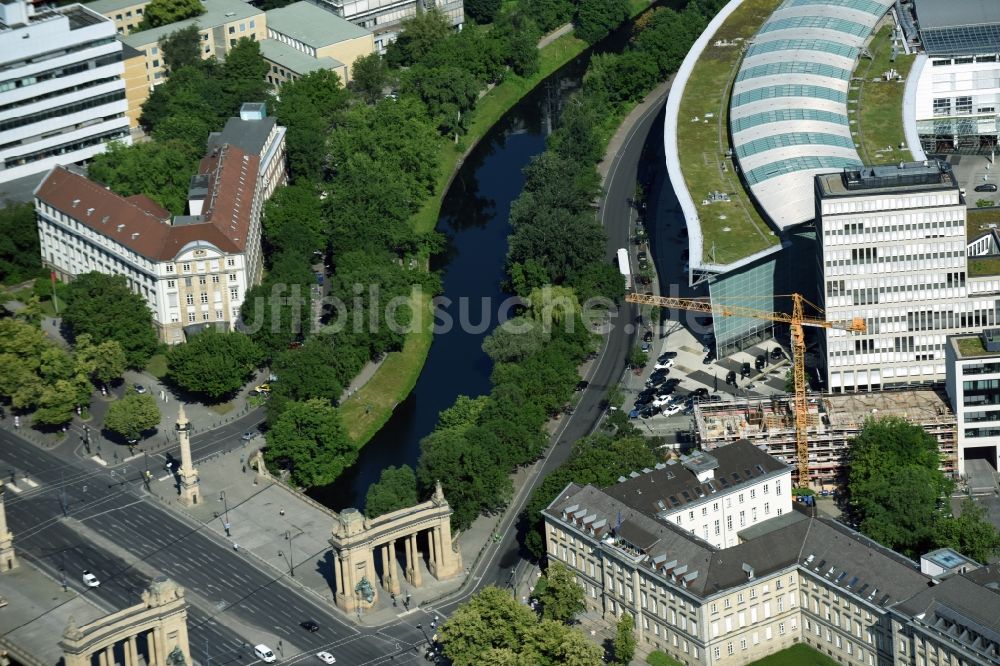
289,537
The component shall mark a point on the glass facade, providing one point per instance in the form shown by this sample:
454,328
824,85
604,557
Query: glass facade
793,139
792,90
817,22
793,164
752,286
869,6
784,115
824,45
795,67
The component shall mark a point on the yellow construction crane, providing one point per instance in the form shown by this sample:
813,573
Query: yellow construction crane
796,320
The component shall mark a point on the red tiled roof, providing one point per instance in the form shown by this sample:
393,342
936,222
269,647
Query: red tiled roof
143,226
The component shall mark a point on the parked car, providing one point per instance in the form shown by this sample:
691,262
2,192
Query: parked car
326,657
647,336
663,402
90,580
634,414
714,397
139,388
646,347
642,401
655,380
745,370
760,362
700,392
777,354
673,409
582,386
731,377
248,435
665,356
673,382
648,413
986,187
708,360
264,653
664,365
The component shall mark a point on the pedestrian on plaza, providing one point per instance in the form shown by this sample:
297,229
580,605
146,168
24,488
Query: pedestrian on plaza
281,512
236,546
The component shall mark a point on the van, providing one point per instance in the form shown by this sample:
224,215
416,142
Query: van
264,653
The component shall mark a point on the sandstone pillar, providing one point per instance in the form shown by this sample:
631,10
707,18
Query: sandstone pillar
187,473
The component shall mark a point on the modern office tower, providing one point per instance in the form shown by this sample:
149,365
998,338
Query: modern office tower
973,385
893,252
62,93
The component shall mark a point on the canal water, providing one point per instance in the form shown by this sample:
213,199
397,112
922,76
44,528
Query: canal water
474,217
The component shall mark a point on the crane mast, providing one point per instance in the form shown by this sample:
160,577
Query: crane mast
796,321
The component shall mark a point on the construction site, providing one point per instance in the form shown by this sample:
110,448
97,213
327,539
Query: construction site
832,420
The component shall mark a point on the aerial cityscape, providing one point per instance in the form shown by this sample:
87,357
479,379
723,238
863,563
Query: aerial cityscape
499,332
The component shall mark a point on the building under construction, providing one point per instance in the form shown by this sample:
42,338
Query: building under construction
833,419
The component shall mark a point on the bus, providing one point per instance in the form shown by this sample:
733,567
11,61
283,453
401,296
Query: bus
624,268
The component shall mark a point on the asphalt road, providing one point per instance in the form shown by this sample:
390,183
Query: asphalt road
109,518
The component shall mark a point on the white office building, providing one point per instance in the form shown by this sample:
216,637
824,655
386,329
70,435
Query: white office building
958,75
62,92
383,17
973,386
893,252
712,495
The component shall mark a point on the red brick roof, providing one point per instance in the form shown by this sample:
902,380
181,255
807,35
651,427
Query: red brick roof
143,226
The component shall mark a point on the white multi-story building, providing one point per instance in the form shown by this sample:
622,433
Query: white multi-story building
893,252
958,75
712,495
383,17
973,385
193,269
62,92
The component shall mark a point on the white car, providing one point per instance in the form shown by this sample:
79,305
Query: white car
264,654
326,657
90,580
663,402
664,365
671,410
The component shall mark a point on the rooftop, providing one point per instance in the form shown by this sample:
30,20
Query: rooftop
217,13
312,25
728,228
959,27
973,346
937,14
105,6
887,179
660,491
292,59
788,111
250,136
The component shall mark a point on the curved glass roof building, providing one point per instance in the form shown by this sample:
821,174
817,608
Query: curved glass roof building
788,112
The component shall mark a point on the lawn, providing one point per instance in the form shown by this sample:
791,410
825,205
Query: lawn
731,229
797,655
877,104
978,221
971,346
157,366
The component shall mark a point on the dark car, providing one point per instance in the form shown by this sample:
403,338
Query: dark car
582,386
643,400
745,370
673,382
666,356
760,361
777,354
731,377
649,391
708,360
309,626
715,397
647,336
986,187
648,412
665,390
699,393
655,381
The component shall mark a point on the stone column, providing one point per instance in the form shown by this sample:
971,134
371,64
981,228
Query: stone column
338,573
102,658
160,659
131,652
386,573
416,560
432,552
394,567
187,473
449,561
8,558
109,654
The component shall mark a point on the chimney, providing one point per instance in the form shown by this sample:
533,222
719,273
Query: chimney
749,570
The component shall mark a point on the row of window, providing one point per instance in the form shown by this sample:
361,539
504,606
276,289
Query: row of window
71,146
894,202
61,111
200,266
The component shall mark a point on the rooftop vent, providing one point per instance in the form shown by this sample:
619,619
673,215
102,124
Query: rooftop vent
90,211
121,227
76,202
135,234
749,570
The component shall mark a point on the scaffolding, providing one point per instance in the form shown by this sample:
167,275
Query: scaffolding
831,421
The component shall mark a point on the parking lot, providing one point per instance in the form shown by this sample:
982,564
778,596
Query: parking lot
973,171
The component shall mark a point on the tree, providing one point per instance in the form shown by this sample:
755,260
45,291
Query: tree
182,48
19,249
448,92
515,340
293,220
419,35
133,415
244,72
561,596
58,402
894,485
311,371
596,18
396,489
103,307
482,11
309,107
103,363
369,76
310,441
160,170
625,639
493,628
970,534
549,14
165,12
214,364
637,358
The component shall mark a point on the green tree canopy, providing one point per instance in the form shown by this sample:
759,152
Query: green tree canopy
161,170
132,415
395,489
214,364
971,533
103,307
625,639
596,18
309,107
549,14
419,35
182,48
493,628
482,11
244,72
309,441
311,371
103,363
19,250
165,12
561,596
369,77
293,220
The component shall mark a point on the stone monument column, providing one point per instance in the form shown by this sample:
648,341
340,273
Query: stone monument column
8,558
187,473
